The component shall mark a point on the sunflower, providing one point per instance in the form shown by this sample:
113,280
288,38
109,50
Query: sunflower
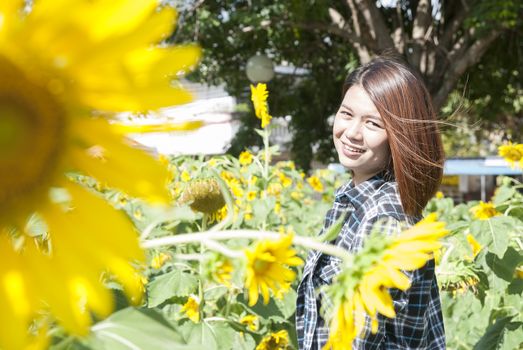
250,321
245,158
484,211
159,260
65,67
275,341
379,267
315,183
192,309
268,267
513,153
259,95
203,195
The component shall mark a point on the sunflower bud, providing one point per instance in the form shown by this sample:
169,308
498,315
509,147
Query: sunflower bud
204,195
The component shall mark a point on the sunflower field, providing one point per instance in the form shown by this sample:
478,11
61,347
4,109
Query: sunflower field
106,247
221,272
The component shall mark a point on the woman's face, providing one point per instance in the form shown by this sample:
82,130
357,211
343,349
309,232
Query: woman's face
359,135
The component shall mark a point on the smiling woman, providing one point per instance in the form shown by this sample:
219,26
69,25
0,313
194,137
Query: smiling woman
359,135
385,132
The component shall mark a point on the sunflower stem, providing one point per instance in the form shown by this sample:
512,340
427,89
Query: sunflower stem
250,234
200,281
266,157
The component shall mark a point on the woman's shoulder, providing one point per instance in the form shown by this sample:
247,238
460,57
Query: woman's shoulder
385,203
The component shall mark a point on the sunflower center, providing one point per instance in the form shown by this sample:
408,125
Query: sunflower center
31,135
261,265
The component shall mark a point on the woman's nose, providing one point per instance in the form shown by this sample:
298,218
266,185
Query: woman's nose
353,130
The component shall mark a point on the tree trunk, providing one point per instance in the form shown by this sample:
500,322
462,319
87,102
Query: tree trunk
441,50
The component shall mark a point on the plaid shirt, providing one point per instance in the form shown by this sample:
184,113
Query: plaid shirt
418,323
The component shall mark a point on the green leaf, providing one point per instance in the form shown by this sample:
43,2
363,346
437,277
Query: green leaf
171,284
494,233
516,287
135,329
513,338
264,311
262,209
503,194
199,336
243,341
287,305
260,132
224,335
333,230
493,336
504,268
457,226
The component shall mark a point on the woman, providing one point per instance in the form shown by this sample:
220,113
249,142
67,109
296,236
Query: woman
385,132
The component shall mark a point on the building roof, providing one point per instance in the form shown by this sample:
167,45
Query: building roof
479,166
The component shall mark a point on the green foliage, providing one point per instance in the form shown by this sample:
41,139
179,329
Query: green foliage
481,294
129,329
481,290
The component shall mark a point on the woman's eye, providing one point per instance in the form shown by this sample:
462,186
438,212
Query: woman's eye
375,125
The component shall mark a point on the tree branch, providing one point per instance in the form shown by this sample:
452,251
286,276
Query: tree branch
451,29
460,64
362,49
420,26
376,24
329,28
398,36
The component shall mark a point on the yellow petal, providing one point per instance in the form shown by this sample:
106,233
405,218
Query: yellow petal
117,234
397,279
253,293
265,292
14,299
10,12
112,18
383,302
408,262
163,61
136,99
420,246
165,127
120,166
130,279
359,313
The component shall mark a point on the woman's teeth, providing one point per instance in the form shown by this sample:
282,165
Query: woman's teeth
353,149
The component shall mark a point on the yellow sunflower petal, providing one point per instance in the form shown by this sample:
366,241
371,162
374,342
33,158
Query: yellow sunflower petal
9,13
253,293
136,99
56,289
265,292
169,127
383,302
119,165
359,313
15,301
163,61
112,18
408,262
422,246
397,279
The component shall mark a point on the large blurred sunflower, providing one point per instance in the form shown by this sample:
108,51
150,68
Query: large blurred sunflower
65,65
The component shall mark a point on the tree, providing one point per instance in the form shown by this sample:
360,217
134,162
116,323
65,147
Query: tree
443,40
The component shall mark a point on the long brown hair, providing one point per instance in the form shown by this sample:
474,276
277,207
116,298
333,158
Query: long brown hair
405,105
